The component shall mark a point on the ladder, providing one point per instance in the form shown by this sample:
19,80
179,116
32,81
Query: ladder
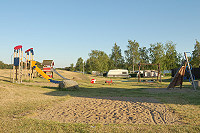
190,72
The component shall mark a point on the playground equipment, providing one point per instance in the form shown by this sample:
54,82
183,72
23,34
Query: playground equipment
28,59
109,81
178,78
69,84
47,66
18,64
54,70
30,65
157,75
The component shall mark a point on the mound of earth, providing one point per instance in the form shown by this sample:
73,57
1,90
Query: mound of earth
68,84
109,111
72,75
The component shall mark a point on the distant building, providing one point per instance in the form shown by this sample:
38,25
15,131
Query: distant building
118,73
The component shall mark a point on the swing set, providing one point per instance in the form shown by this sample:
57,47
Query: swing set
154,74
178,78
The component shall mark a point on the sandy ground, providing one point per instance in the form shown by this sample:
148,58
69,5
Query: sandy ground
113,110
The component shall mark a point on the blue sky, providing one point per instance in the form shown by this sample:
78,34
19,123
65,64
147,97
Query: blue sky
64,30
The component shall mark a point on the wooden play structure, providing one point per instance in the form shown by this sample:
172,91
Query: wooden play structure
28,60
158,74
178,78
18,64
26,69
47,67
22,69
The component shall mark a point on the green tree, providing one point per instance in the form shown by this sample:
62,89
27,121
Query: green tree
196,55
79,65
143,53
72,67
132,54
88,67
172,58
98,61
116,58
144,58
157,54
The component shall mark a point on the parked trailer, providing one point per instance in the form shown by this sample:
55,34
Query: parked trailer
118,73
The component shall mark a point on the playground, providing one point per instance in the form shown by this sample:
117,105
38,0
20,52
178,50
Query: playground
50,100
126,105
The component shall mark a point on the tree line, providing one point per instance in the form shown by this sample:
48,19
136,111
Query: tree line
164,54
5,66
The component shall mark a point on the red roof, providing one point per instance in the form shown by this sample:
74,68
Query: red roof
18,47
28,50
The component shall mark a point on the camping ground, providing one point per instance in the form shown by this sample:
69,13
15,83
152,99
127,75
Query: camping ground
124,106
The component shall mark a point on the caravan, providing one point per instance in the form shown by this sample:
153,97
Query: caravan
118,73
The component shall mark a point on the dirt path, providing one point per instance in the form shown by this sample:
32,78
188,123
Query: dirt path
109,110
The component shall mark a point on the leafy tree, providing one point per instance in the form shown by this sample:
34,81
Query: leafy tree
132,54
88,67
98,61
157,54
72,67
143,53
196,55
144,58
172,59
116,58
79,65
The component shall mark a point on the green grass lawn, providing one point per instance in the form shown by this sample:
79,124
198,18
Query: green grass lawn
19,100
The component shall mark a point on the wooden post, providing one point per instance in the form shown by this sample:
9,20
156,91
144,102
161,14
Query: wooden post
26,67
30,67
16,73
19,54
22,66
139,80
158,71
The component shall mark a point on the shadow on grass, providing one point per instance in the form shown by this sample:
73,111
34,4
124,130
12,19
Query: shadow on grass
173,96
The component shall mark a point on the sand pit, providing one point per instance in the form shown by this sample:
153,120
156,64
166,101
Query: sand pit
109,110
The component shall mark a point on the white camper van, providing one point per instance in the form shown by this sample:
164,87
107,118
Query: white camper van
118,73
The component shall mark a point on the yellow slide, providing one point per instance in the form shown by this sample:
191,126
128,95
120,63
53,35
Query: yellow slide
33,64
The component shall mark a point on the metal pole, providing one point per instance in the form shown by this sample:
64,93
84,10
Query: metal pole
190,71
